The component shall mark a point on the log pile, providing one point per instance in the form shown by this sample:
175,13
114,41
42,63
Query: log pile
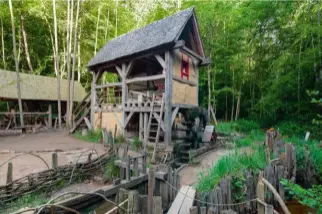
50,179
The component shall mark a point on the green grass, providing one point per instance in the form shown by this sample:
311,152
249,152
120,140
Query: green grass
232,164
30,201
93,136
225,127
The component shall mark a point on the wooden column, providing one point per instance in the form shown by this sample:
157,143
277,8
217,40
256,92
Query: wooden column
9,173
150,190
93,100
168,99
50,117
141,129
54,160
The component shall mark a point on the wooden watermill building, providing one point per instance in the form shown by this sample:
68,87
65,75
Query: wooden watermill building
158,68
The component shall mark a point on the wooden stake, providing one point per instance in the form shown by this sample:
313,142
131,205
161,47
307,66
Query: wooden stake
157,205
9,173
128,169
50,117
54,159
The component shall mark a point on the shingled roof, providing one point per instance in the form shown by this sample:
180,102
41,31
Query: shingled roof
36,87
156,34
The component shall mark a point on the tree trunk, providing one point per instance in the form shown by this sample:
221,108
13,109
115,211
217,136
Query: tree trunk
56,61
107,26
16,62
2,41
209,93
117,3
79,58
74,63
24,36
233,98
97,23
69,28
238,104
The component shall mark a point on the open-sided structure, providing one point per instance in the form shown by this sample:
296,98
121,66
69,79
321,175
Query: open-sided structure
158,68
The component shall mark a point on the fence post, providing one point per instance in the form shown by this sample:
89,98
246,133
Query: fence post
260,196
136,167
157,205
194,210
133,203
128,168
269,209
54,159
144,163
9,173
150,190
50,117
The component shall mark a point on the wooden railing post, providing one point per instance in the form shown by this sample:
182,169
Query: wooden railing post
128,168
144,163
136,167
9,173
260,196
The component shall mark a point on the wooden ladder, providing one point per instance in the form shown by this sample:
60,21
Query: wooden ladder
156,126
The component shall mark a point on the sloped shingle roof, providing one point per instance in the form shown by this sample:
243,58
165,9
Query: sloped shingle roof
158,33
36,87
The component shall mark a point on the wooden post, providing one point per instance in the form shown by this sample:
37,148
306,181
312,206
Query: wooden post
9,173
203,210
194,210
89,158
269,209
150,190
141,129
157,205
143,204
93,100
50,117
169,180
136,167
54,159
145,134
260,196
144,162
116,182
168,99
133,204
128,169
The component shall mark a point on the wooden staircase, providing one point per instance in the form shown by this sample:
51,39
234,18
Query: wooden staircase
81,113
155,120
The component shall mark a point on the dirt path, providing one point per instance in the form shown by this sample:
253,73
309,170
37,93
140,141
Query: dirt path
189,174
68,149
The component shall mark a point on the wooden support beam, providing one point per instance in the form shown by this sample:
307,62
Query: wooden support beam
119,71
190,52
50,117
141,127
147,78
168,99
129,68
174,114
93,100
151,179
107,85
160,60
128,119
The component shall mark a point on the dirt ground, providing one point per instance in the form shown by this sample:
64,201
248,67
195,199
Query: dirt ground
68,148
189,174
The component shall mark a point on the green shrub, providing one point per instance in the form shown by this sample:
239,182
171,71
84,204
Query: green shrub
257,135
232,165
246,126
111,170
136,143
243,142
120,139
225,127
94,136
290,128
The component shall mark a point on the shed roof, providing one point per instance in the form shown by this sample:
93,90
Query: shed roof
36,87
156,34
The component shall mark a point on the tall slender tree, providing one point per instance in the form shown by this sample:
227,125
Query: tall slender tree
2,45
16,62
56,62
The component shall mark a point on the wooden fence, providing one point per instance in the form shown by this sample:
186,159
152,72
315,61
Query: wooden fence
48,179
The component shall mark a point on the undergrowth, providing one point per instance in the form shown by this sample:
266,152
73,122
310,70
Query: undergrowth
253,159
93,136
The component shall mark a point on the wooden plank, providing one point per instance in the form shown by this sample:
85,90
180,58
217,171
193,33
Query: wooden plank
128,169
88,123
194,210
176,205
188,201
93,100
174,114
207,134
136,167
133,204
145,79
129,68
160,60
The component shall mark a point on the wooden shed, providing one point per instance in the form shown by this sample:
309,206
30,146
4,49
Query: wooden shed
158,68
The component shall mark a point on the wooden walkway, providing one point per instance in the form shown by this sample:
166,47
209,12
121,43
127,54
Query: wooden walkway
183,201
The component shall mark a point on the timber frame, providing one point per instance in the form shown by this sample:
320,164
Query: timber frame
150,87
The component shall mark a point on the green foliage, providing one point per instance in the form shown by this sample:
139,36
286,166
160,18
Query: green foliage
310,197
120,139
225,127
232,164
238,183
136,143
243,142
246,126
191,157
111,170
93,136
